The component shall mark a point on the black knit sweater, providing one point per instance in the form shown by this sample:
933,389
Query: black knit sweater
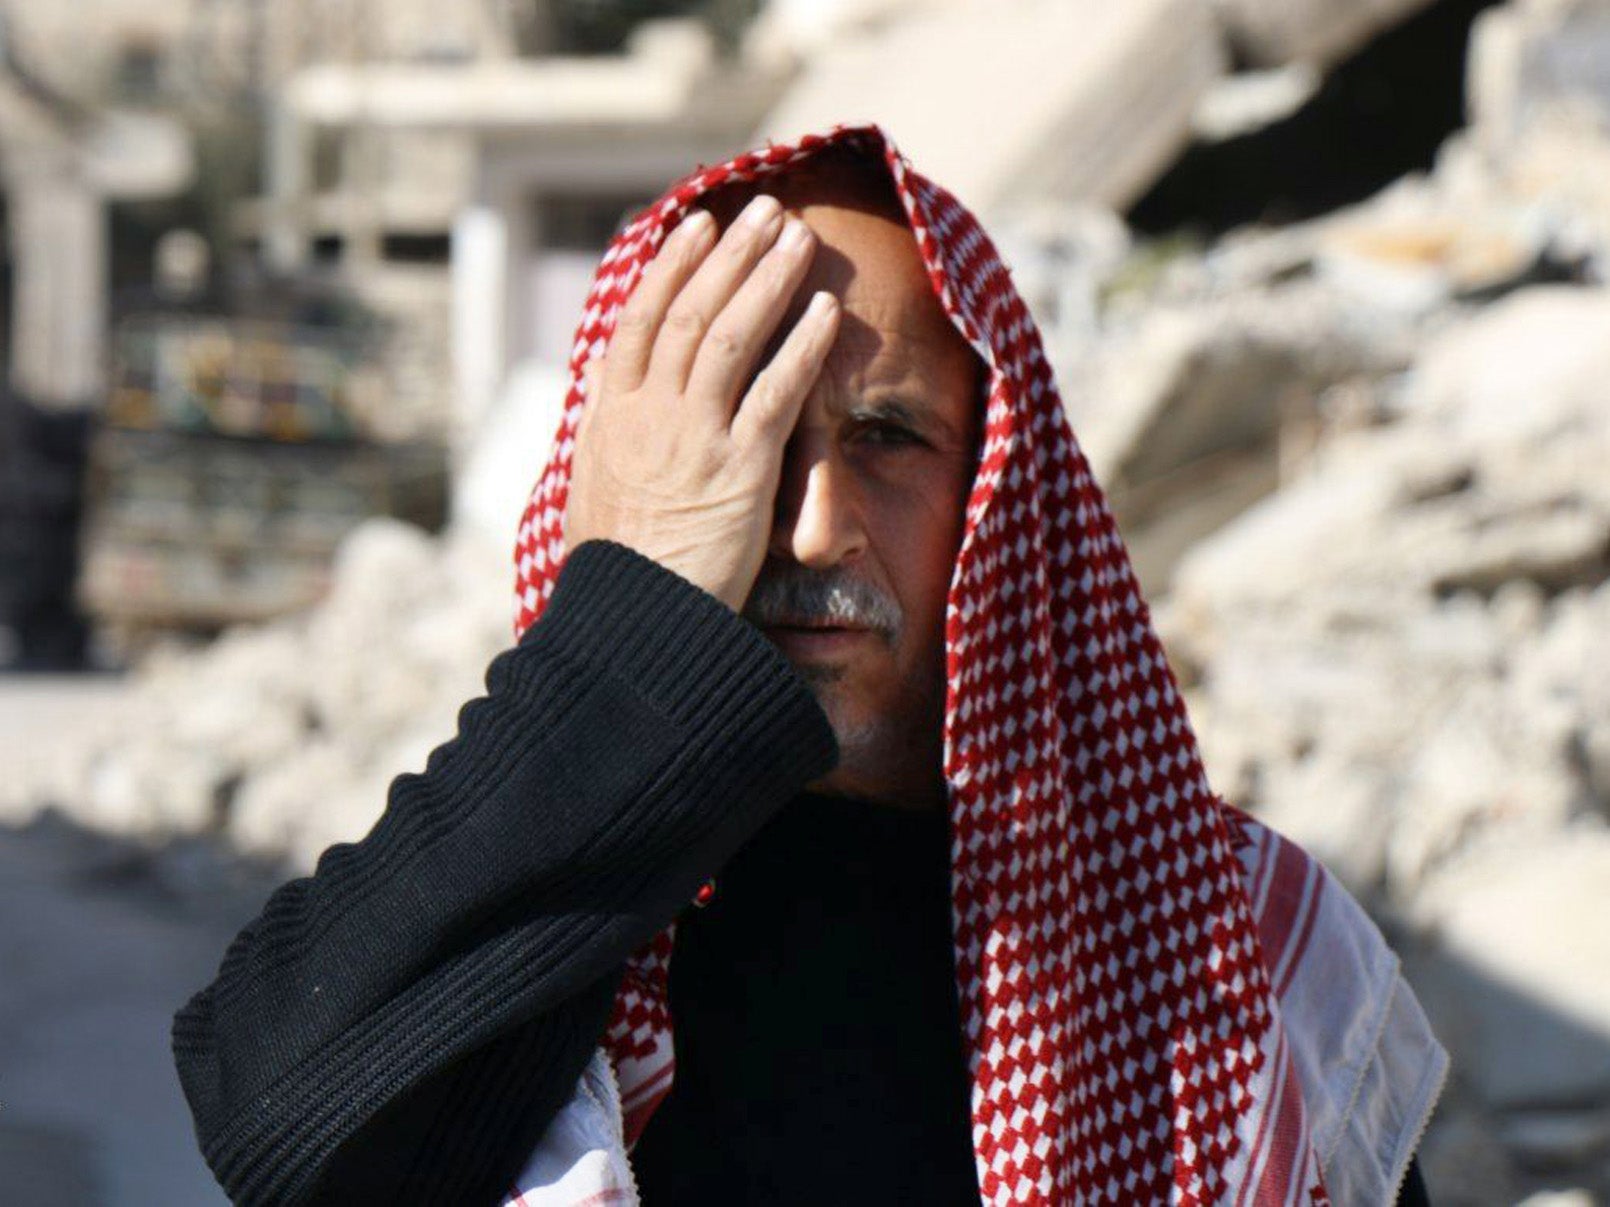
406,1020
818,1036
402,1025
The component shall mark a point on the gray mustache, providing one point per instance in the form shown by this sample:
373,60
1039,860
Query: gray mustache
794,595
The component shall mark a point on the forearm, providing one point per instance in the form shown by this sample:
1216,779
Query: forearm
461,1135
635,738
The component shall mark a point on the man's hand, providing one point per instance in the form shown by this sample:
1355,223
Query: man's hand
674,457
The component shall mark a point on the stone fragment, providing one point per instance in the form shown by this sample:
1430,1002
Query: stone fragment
1271,32
1397,658
1532,56
1420,252
1037,100
1201,410
1521,979
284,738
1560,1198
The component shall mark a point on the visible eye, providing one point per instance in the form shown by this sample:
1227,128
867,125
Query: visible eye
886,433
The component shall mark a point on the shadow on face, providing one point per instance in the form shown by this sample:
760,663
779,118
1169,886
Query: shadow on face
866,256
874,483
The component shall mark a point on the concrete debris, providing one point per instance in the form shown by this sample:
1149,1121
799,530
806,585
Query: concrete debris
1250,100
1272,32
1198,411
283,739
1076,103
1361,462
1539,104
1523,988
1392,639
978,93
1533,57
1396,658
1420,253
1451,563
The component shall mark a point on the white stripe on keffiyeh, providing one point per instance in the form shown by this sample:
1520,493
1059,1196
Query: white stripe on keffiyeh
1355,1047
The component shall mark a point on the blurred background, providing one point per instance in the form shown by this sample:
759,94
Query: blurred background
286,289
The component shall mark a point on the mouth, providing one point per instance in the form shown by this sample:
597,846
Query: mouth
808,638
812,624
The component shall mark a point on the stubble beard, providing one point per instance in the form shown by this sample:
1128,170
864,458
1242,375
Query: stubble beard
885,747
894,755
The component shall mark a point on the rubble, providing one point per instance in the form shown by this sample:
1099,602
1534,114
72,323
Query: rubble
1531,57
1453,563
1361,462
282,739
1038,99
1394,652
1272,32
1397,659
1199,410
1523,985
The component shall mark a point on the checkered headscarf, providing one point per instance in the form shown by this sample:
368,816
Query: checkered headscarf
1124,1041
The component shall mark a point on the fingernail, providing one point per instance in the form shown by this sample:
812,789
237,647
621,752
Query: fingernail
695,224
822,304
795,235
761,210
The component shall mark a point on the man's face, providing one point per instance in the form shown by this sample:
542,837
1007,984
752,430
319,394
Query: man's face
869,511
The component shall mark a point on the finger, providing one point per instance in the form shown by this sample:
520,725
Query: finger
592,384
771,407
739,334
639,320
710,289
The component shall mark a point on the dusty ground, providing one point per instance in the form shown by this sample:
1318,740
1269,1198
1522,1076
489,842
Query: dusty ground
102,940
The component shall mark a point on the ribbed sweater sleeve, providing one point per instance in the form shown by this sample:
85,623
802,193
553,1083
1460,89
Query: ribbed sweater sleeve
405,1020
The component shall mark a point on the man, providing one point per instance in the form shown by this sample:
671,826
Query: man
957,916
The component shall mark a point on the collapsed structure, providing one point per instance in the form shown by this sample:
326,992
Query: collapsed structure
1360,461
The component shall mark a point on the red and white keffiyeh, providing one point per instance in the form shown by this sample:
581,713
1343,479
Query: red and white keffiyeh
1132,957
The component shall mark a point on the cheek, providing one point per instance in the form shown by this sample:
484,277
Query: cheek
917,530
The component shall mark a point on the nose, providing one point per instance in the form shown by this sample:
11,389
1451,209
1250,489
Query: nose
818,522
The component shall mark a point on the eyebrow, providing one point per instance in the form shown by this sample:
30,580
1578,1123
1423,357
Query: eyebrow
890,408
922,419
